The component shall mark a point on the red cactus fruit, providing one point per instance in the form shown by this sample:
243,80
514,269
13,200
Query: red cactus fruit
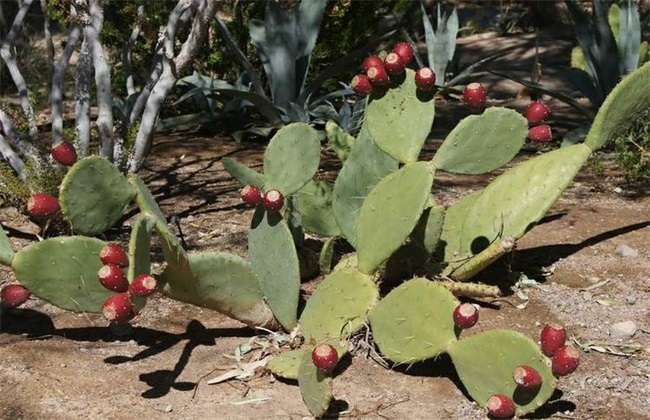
537,112
112,277
143,285
425,78
404,50
325,357
64,153
501,406
394,64
273,200
372,61
361,84
14,295
540,134
565,360
118,308
378,76
552,338
465,315
474,96
527,377
252,195
42,206
114,254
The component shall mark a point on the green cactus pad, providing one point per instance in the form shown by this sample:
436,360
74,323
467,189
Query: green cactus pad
400,120
94,195
482,143
512,203
485,362
140,246
243,173
339,305
364,168
291,159
338,140
63,271
621,107
327,255
275,262
314,204
390,212
315,386
429,228
222,282
414,322
286,364
172,249
6,249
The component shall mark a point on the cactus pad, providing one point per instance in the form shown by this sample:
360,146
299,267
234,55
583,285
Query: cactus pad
291,159
485,362
140,247
621,107
339,305
243,173
338,140
364,168
482,143
315,386
286,364
94,195
327,255
6,250
63,271
390,212
400,120
222,282
314,204
429,228
275,262
414,322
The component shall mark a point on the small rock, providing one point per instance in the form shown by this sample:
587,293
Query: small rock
630,300
169,408
626,251
618,190
593,280
625,329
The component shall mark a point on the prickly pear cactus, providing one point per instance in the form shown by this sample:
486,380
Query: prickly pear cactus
243,173
63,271
286,364
414,322
314,206
338,140
429,228
315,385
6,250
94,195
485,363
400,119
140,246
482,143
275,262
390,212
291,159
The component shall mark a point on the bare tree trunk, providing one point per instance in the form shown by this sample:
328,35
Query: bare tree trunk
49,45
58,84
82,99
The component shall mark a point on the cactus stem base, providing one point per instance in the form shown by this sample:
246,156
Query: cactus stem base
473,290
478,262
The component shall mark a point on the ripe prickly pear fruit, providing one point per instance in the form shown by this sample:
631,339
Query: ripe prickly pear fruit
372,61
273,200
404,50
537,112
425,78
378,76
143,285
361,84
64,153
325,357
527,377
118,308
474,96
552,338
112,277
252,195
394,64
14,295
465,315
565,360
114,254
42,206
540,134
501,406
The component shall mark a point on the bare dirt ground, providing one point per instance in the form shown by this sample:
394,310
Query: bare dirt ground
63,365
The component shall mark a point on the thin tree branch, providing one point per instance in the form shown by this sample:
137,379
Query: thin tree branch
57,84
14,160
82,99
49,45
126,54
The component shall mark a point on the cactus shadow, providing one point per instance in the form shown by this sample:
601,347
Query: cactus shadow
554,406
